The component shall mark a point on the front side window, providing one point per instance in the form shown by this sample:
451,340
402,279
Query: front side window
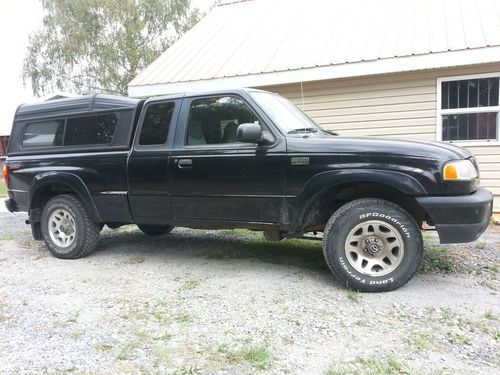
469,109
90,130
215,120
43,134
156,124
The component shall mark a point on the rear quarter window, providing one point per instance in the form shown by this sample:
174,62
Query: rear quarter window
43,134
90,130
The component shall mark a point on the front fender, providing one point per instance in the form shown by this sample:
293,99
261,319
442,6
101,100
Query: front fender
321,182
71,181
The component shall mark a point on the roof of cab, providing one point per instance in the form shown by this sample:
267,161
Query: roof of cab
78,104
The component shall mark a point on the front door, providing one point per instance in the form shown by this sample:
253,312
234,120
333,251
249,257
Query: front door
216,178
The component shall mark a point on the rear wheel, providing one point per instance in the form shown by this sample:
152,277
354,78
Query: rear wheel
155,230
67,228
372,245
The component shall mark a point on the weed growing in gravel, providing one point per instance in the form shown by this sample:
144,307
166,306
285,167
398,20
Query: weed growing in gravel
127,351
104,347
457,338
421,341
361,366
489,315
184,318
259,357
73,318
353,296
481,245
489,269
165,337
190,285
437,258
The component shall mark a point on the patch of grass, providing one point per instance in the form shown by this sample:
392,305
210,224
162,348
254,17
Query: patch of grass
190,285
3,188
127,351
104,347
165,337
353,295
361,366
76,335
237,232
135,314
184,318
489,269
259,357
421,341
7,237
490,316
437,258
481,245
459,339
72,319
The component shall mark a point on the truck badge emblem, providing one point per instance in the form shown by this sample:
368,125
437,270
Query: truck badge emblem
300,161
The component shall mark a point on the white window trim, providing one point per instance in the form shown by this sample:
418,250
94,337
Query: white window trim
440,112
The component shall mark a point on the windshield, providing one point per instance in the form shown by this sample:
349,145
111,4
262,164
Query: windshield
284,114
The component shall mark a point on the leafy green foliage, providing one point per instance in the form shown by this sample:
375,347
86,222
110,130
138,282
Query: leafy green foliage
100,45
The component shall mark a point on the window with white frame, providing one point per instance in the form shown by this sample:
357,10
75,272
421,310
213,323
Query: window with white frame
468,109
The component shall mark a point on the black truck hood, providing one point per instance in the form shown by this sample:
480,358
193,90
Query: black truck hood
372,145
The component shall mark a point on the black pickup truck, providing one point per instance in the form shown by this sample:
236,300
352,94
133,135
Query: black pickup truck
238,159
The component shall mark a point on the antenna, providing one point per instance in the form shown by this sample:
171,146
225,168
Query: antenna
303,105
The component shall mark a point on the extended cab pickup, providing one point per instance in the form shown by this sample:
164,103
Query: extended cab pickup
238,159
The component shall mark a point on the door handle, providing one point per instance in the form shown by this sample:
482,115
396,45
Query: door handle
184,163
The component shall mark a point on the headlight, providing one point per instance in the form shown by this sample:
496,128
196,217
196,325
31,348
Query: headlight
460,170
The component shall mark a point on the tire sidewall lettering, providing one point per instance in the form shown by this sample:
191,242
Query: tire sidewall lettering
360,279
389,218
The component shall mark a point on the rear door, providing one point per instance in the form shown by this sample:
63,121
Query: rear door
148,173
216,178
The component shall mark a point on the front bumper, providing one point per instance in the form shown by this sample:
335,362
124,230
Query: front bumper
461,218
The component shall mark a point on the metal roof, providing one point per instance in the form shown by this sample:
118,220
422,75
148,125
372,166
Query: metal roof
264,41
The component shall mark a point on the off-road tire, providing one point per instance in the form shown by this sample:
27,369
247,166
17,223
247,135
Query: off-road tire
354,213
86,230
155,230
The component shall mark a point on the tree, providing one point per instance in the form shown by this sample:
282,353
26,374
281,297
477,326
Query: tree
86,46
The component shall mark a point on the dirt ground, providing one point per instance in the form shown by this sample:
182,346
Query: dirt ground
227,302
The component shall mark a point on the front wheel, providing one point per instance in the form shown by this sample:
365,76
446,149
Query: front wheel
67,228
372,245
155,230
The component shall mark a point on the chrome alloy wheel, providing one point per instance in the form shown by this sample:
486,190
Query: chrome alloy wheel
374,248
62,228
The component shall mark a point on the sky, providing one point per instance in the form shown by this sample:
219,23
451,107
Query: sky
18,19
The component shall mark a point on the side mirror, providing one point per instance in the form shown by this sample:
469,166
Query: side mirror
249,133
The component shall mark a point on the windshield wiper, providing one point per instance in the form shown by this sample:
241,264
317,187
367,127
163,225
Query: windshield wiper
303,130
329,131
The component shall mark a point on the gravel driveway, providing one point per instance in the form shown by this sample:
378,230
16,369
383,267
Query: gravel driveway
229,303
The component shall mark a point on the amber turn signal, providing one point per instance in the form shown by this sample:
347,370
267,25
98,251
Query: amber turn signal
5,171
450,172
